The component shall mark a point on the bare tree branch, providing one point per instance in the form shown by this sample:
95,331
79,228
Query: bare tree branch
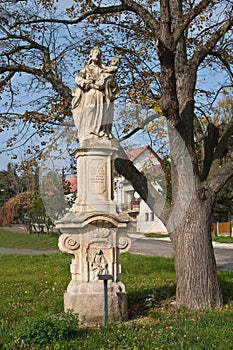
95,10
188,19
127,5
210,142
34,44
218,92
202,51
221,176
222,57
223,143
140,127
45,72
6,79
142,185
20,68
220,170
146,16
16,49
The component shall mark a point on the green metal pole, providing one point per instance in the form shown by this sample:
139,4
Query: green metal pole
105,302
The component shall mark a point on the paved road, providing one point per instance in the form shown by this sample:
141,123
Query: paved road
151,247
224,257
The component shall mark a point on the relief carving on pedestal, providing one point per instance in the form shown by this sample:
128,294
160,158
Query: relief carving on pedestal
98,265
100,232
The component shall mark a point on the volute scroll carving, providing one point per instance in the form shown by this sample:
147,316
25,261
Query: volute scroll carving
68,243
124,243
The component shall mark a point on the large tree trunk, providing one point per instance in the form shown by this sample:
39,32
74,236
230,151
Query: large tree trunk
190,229
197,283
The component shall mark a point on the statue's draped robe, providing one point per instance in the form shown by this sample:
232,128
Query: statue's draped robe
92,103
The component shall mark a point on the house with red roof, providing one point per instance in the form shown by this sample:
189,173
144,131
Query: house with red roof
70,185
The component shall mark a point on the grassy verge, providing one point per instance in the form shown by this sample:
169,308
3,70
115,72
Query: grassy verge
222,239
25,240
155,235
31,309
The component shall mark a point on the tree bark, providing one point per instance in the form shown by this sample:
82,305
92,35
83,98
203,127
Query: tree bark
189,224
190,229
197,283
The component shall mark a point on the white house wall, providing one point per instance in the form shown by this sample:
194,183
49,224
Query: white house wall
147,222
124,192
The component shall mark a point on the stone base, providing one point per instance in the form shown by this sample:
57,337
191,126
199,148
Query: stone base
87,300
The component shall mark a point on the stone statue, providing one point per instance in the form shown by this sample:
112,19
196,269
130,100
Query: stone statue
94,233
93,97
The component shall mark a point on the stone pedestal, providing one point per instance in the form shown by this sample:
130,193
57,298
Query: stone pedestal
95,251
94,234
95,172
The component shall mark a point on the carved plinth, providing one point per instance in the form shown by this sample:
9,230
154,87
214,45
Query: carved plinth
95,244
95,180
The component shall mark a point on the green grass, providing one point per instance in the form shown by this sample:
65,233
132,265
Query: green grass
25,240
222,239
32,301
155,235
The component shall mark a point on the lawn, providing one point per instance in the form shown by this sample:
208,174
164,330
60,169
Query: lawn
31,309
26,240
223,239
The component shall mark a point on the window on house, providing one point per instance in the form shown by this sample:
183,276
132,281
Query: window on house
152,216
146,216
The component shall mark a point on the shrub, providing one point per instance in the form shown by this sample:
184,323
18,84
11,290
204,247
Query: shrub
45,330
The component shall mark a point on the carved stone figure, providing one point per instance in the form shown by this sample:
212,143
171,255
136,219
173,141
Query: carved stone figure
98,266
93,97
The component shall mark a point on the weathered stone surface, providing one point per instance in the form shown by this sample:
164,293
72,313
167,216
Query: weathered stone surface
94,233
93,97
95,182
87,300
96,251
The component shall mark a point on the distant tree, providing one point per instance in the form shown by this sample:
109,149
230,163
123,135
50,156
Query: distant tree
37,218
15,209
21,200
223,114
224,198
10,183
52,191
